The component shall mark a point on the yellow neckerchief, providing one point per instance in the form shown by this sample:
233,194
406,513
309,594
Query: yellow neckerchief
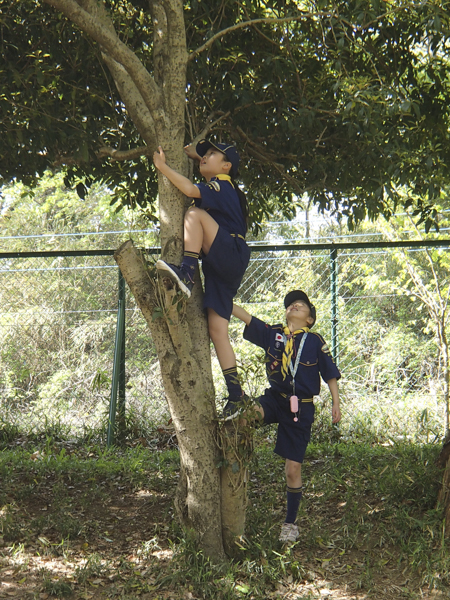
224,177
289,348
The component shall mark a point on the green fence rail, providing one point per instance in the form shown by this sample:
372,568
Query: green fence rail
75,349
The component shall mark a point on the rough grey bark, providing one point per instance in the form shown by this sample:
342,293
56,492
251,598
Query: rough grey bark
235,441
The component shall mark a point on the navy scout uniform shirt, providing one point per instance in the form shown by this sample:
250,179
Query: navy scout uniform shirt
315,359
219,198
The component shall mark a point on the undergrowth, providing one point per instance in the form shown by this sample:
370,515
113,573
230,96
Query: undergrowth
368,510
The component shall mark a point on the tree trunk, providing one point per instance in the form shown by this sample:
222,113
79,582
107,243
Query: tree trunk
188,383
444,456
236,443
185,357
190,395
444,492
445,369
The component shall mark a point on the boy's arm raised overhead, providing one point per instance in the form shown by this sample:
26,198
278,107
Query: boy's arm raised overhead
184,184
192,152
241,314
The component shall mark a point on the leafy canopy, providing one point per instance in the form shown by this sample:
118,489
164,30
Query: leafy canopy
345,101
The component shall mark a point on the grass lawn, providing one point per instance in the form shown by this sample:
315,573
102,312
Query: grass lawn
77,521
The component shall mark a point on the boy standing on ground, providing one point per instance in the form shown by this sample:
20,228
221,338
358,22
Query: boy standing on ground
295,360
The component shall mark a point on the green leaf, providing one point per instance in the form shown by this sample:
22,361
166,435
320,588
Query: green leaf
286,95
405,106
157,313
81,190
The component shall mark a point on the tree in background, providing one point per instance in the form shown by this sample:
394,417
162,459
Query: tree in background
58,313
50,215
425,278
344,101
391,311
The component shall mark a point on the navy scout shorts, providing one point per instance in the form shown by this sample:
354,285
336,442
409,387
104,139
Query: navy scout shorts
292,437
224,267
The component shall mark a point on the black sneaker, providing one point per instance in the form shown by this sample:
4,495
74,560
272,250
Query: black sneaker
176,275
234,407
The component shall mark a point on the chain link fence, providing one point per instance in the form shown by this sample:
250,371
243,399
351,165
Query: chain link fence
57,326
379,308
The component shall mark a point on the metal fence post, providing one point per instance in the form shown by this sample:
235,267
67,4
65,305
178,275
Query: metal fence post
334,307
118,376
121,390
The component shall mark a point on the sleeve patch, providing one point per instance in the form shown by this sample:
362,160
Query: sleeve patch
214,185
325,349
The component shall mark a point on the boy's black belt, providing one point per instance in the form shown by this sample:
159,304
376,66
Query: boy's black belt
300,400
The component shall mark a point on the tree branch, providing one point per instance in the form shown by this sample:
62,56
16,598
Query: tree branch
94,21
159,20
250,23
262,152
421,290
108,152
305,15
210,124
132,98
122,155
176,26
267,157
443,302
175,61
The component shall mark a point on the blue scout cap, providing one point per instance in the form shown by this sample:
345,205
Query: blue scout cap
229,150
299,295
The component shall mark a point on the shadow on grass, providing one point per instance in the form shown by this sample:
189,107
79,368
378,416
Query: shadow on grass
79,521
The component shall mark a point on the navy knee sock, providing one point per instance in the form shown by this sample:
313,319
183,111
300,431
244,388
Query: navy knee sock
189,263
294,495
233,383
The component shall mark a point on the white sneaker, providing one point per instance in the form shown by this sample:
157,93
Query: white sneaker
289,533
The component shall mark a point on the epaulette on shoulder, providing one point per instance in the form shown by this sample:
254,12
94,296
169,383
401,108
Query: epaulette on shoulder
318,335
